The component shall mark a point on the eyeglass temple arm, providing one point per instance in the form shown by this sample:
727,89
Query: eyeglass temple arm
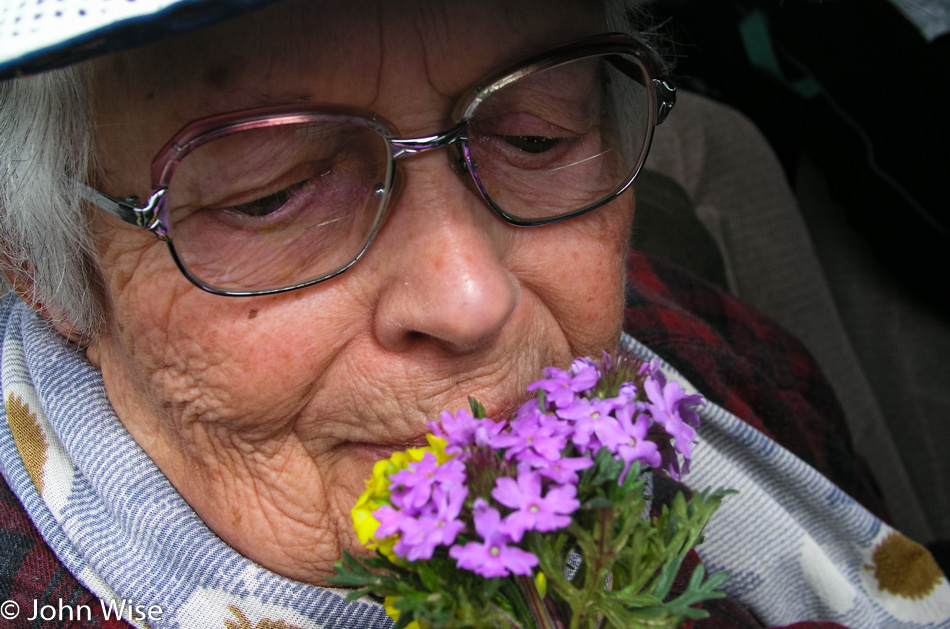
127,210
665,91
665,98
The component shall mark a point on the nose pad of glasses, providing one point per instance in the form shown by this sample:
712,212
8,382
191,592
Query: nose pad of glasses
460,167
457,161
389,199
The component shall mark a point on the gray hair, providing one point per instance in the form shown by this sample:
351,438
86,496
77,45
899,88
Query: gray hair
47,147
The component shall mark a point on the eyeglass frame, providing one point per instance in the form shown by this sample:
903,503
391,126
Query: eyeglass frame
153,216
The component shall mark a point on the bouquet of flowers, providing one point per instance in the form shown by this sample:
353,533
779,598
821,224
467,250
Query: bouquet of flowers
543,521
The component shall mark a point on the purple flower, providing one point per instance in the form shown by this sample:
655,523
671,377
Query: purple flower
532,511
594,425
463,430
627,392
669,459
439,526
562,471
412,487
390,521
652,368
666,402
687,413
637,447
493,557
533,433
562,387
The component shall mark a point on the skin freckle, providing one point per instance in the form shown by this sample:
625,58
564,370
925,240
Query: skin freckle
252,314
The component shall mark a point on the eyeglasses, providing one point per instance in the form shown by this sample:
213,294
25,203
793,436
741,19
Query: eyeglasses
273,199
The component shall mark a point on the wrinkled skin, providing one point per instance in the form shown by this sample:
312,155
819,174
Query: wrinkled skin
267,413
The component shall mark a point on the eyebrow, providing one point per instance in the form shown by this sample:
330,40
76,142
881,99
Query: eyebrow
217,102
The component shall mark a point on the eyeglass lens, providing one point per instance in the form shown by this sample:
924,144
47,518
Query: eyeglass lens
561,140
291,203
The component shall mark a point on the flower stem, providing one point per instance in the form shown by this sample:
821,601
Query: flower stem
539,611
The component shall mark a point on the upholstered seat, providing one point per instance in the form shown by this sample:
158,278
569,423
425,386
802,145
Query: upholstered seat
717,202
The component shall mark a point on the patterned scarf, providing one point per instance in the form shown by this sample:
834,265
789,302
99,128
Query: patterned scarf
797,547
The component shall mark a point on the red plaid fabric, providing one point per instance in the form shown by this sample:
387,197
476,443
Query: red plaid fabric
735,356
29,571
746,363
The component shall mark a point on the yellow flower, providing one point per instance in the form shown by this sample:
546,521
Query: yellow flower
363,520
437,447
375,496
378,483
542,582
414,455
385,546
377,493
394,613
398,461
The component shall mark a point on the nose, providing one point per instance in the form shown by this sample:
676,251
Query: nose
443,254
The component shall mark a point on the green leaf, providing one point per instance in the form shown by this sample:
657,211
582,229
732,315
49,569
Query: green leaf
606,469
350,572
634,482
429,576
597,502
696,592
478,411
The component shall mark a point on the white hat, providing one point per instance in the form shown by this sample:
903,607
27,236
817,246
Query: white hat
37,35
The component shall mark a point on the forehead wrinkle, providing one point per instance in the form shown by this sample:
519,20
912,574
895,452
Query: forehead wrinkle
434,28
237,99
448,93
508,42
380,57
404,53
261,71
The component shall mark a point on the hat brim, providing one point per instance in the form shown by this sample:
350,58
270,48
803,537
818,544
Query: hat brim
43,47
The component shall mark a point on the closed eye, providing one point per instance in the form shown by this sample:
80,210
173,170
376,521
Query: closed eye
269,204
531,143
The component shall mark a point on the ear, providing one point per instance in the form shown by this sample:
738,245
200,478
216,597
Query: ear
21,282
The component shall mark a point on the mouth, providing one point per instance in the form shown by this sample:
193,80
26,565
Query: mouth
380,451
504,412
371,445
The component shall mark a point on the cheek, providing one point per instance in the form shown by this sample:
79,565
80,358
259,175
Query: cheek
249,362
578,270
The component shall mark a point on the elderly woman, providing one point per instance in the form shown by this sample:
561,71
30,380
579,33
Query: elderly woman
254,258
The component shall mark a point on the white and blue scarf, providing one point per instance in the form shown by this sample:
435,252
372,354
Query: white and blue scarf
797,547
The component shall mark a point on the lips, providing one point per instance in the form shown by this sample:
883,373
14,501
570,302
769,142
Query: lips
507,411
380,451
364,437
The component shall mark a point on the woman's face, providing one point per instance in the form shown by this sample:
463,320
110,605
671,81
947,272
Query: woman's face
267,413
